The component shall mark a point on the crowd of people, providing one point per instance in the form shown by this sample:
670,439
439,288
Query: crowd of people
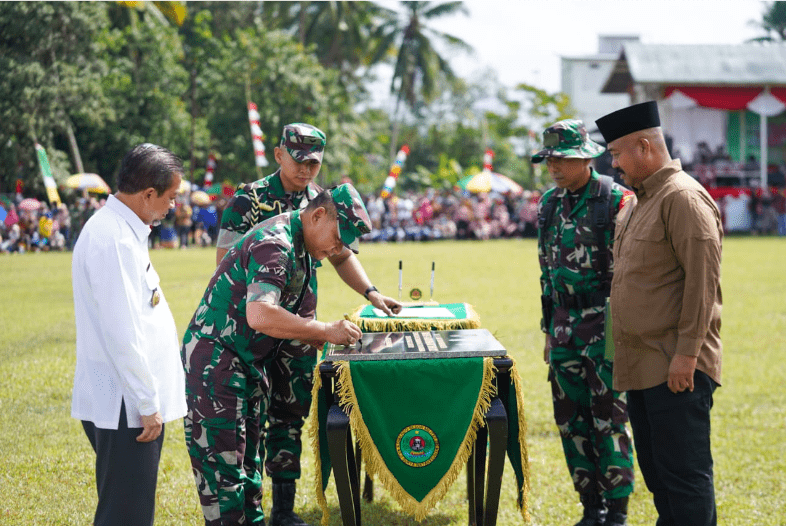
452,215
408,217
56,227
26,229
401,216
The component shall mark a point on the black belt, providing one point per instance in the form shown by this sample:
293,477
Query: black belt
580,301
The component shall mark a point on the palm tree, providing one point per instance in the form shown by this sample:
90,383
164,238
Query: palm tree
340,32
773,22
418,65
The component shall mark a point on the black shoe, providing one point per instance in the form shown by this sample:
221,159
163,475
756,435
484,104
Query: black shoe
592,517
594,511
283,504
617,514
616,519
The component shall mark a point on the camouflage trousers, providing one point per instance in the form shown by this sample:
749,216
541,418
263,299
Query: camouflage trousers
291,375
226,408
591,417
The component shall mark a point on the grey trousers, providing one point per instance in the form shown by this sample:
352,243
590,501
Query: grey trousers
126,474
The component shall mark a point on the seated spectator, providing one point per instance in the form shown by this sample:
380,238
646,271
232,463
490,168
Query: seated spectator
767,220
13,241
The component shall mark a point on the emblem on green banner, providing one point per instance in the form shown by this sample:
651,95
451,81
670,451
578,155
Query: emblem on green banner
417,446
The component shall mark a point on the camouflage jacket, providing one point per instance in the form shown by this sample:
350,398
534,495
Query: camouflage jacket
271,262
569,263
255,202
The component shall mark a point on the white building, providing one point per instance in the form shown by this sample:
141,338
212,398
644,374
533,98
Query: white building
583,78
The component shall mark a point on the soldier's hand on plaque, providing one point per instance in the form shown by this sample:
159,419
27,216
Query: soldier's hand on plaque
387,305
342,332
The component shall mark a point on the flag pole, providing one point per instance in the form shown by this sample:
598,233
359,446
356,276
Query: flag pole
400,283
432,282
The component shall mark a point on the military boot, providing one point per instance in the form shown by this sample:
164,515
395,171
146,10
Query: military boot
617,512
283,504
594,512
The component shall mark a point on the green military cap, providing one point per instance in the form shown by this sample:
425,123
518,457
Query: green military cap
568,139
353,220
303,141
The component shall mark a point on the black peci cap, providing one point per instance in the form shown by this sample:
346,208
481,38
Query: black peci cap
628,120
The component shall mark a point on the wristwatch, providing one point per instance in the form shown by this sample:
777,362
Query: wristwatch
369,290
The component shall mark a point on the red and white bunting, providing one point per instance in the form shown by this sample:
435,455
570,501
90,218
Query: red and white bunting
488,157
209,169
256,135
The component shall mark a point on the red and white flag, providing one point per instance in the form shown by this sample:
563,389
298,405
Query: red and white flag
256,135
209,169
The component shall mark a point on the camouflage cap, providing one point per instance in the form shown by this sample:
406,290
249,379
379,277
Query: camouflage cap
353,220
303,141
568,139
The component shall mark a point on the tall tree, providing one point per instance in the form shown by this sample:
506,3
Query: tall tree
147,82
50,78
773,23
418,64
341,34
288,85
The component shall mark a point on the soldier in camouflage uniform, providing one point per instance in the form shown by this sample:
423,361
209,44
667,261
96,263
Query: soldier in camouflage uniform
299,156
574,249
259,299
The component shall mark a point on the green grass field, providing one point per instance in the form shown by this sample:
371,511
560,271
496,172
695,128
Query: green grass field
46,473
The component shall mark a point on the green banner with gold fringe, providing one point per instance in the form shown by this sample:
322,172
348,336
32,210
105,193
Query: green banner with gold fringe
416,422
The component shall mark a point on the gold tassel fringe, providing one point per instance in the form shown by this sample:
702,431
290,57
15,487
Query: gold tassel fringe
523,497
373,460
472,321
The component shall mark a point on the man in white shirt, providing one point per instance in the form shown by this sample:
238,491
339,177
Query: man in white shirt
129,377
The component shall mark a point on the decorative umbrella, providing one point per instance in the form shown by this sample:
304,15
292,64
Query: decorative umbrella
200,198
30,204
488,181
90,182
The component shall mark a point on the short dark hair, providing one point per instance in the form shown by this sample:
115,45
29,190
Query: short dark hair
148,166
325,200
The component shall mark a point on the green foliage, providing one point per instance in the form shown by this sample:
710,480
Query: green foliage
772,23
50,71
418,66
94,79
341,34
42,444
287,85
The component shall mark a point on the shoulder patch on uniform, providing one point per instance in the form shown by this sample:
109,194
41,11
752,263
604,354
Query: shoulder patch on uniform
626,196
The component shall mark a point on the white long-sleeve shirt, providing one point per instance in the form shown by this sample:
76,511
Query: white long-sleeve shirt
126,348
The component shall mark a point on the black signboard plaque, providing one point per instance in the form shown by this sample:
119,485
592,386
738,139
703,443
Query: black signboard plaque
418,345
